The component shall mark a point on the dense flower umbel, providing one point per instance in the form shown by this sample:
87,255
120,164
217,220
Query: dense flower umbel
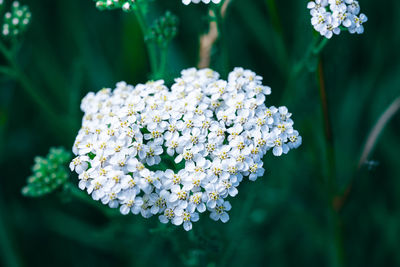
331,16
217,131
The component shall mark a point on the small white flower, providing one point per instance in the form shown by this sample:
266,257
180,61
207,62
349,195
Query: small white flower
357,26
354,7
317,6
153,151
337,5
214,192
168,215
79,164
158,202
219,212
277,141
295,140
256,170
196,202
130,203
185,217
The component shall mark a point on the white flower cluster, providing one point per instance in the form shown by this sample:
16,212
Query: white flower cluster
16,20
187,2
180,152
329,16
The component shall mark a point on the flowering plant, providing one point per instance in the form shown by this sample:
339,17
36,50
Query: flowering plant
205,149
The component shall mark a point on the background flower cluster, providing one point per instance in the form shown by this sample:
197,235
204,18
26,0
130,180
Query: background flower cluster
332,16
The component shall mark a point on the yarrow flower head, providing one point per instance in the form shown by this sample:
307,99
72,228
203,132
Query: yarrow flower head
16,20
187,2
330,17
208,133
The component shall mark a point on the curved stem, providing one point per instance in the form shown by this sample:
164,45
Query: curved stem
368,148
388,114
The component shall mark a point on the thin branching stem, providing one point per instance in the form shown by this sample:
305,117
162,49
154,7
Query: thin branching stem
372,139
314,49
393,108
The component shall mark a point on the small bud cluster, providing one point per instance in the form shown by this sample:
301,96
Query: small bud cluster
49,173
187,2
331,16
163,29
16,20
180,152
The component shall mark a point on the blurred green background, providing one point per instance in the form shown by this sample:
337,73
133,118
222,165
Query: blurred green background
284,218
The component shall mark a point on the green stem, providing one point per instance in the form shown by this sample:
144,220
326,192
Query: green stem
314,47
313,50
338,250
337,237
163,61
329,140
320,46
151,47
